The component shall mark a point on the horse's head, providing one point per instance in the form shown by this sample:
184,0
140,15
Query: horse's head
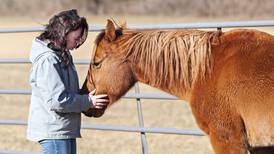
109,72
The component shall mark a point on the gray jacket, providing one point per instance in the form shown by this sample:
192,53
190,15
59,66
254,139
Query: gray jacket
55,108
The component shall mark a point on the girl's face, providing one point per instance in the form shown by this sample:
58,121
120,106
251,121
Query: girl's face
73,38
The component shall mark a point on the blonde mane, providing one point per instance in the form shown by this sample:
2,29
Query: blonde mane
171,57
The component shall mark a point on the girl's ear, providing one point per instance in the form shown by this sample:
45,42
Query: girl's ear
110,31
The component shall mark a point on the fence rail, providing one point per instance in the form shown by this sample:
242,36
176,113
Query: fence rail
130,95
138,96
27,61
233,24
194,132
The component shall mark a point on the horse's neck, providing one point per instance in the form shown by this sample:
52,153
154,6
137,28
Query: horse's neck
171,67
178,90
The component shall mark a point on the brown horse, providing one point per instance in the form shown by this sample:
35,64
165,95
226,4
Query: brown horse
227,78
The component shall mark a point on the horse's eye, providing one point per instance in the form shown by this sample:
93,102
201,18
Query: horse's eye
97,65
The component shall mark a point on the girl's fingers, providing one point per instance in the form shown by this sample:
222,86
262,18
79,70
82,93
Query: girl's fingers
92,92
102,100
101,104
101,96
97,107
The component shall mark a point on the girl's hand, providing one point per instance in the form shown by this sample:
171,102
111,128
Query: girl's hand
98,101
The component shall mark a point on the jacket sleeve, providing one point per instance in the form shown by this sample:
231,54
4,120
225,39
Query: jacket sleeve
52,89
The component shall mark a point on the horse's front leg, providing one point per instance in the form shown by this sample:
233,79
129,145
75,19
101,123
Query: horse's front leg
227,142
224,127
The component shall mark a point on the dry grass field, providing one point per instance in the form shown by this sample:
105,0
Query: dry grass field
157,113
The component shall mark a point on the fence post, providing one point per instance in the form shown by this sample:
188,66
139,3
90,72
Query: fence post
141,120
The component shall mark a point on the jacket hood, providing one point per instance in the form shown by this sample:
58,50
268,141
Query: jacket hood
38,49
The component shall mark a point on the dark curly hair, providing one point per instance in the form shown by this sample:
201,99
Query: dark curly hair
58,28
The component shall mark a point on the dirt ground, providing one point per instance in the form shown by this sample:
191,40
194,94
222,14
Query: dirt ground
157,113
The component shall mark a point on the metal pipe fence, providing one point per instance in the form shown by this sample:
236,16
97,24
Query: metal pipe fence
137,94
121,128
200,25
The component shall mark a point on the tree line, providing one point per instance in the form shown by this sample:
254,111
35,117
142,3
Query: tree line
188,8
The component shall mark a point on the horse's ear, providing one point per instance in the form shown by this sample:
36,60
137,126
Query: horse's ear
110,31
123,25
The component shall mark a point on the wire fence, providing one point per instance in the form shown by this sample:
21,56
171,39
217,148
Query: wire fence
137,95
